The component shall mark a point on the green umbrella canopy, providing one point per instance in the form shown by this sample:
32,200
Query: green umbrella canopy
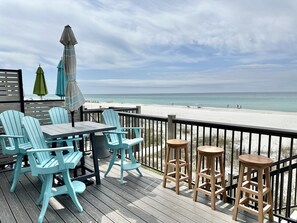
40,86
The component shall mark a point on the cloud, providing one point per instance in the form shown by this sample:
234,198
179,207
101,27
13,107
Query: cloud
157,37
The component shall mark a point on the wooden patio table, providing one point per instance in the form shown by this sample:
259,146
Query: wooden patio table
85,127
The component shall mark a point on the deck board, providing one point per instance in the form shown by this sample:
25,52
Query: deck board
140,199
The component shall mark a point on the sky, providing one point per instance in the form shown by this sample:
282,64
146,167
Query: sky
153,46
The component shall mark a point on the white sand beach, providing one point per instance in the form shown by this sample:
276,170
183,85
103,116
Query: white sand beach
272,119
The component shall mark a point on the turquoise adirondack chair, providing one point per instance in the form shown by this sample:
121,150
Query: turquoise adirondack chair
18,142
59,115
117,141
45,165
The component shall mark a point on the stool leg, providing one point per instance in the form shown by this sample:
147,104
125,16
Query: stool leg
260,195
248,178
177,171
269,195
240,179
223,183
213,181
166,166
198,169
188,168
208,167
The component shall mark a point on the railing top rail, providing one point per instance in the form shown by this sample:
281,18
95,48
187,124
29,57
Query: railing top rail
43,101
148,117
92,110
240,127
227,126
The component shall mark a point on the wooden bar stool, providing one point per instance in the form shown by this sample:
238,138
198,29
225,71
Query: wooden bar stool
177,176
260,164
210,187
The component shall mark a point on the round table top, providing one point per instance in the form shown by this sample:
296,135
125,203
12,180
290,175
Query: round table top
257,160
210,150
177,143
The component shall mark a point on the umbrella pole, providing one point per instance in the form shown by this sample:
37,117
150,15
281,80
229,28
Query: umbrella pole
72,118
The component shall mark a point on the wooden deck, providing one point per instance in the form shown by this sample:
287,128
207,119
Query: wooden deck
140,199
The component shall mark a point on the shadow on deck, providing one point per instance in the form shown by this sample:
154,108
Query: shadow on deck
140,199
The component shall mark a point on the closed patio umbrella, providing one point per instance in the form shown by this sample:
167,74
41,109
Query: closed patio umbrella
61,80
73,97
40,86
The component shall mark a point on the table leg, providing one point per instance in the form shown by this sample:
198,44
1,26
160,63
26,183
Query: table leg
95,159
82,161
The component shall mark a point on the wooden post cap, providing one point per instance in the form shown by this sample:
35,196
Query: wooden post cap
210,150
257,160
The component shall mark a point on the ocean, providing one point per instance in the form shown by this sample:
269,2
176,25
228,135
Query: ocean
286,102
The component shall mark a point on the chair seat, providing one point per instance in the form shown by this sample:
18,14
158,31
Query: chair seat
128,142
52,164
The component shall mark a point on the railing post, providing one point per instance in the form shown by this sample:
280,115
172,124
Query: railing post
100,117
171,135
85,114
138,107
171,127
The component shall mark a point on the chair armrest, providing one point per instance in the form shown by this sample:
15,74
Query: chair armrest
135,129
11,136
62,140
10,150
59,157
117,133
114,132
132,127
30,151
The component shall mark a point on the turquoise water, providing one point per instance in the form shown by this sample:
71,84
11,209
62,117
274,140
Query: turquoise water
259,101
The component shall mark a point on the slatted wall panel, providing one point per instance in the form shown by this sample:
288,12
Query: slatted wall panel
9,85
39,109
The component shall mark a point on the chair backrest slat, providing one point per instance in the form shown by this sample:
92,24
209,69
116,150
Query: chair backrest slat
12,125
58,115
36,137
112,118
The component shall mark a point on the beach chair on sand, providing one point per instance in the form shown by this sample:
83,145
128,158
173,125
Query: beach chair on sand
18,142
116,140
44,164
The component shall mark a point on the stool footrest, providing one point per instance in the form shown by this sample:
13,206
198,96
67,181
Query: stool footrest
207,176
174,165
202,189
243,205
208,170
245,188
172,176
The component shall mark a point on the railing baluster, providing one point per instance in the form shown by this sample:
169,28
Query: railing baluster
259,144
